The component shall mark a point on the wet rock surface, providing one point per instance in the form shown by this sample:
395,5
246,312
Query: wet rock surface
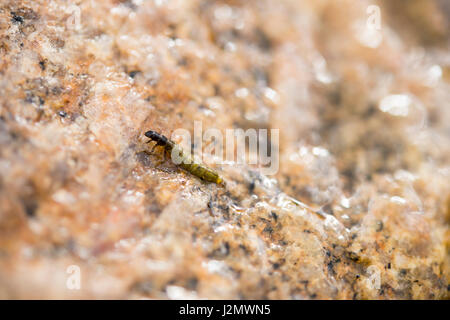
359,207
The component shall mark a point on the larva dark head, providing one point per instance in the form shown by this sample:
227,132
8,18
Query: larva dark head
152,135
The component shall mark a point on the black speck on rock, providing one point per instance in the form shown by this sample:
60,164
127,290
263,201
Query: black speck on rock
42,64
22,14
133,74
16,18
30,207
274,216
192,283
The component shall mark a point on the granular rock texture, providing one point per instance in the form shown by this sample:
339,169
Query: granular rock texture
360,205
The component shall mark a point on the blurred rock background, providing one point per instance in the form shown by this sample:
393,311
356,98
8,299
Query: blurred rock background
363,112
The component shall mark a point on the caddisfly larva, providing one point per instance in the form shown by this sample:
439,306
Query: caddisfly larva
183,159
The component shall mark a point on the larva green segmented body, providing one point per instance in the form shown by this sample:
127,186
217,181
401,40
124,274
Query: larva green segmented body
184,160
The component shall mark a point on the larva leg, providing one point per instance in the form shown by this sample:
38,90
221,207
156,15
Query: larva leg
154,147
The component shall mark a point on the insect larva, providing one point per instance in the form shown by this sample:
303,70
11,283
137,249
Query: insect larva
184,160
